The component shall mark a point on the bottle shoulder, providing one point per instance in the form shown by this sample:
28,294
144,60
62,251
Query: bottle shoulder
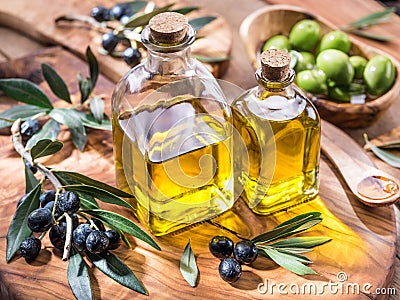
276,107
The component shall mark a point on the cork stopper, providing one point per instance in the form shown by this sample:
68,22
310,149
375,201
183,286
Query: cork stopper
275,64
168,27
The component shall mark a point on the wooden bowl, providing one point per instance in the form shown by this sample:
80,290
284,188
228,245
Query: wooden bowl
279,19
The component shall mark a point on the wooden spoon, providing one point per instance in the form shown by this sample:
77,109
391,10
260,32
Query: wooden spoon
370,185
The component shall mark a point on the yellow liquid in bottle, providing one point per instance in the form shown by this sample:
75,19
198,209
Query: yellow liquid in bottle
180,168
283,147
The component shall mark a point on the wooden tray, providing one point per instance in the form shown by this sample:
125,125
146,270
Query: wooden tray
363,245
36,19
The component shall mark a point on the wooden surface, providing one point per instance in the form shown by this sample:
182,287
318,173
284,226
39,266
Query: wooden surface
344,216
367,236
76,36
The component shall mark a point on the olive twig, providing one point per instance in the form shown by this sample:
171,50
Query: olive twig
26,155
226,229
68,237
99,26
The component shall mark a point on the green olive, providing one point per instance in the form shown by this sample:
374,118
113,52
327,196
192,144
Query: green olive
277,42
379,75
344,93
312,81
335,39
304,35
305,61
336,66
358,63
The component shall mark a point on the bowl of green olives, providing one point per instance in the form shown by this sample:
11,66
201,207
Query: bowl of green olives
351,83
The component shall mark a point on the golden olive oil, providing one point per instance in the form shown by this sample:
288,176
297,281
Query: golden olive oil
175,157
281,131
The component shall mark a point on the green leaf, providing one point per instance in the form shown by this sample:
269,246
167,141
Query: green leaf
125,239
294,225
298,257
93,67
116,269
188,266
85,87
90,121
135,6
288,262
20,112
374,18
30,180
79,178
143,19
56,83
186,10
78,277
122,224
97,109
199,23
207,59
79,139
45,148
19,230
69,117
301,242
371,36
25,91
98,193
50,131
384,155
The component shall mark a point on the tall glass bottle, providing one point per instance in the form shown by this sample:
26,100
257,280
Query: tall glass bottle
172,132
281,130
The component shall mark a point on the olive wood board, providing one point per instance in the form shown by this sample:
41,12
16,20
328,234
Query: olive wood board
38,21
363,239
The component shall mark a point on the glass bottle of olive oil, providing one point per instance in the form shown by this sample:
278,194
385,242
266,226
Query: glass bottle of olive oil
172,132
281,130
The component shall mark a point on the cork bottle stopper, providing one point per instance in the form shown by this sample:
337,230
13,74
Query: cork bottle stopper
275,64
168,27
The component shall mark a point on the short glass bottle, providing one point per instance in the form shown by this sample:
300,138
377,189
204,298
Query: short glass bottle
281,130
172,132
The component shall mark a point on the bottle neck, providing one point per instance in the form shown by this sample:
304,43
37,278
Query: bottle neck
168,59
267,88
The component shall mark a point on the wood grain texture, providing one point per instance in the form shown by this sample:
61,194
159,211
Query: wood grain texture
39,24
363,244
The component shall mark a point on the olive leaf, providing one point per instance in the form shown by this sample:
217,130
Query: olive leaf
56,83
143,19
289,262
123,224
200,22
93,67
125,239
98,193
50,131
294,225
85,87
22,112
371,36
19,230
90,121
185,10
80,178
303,242
78,277
384,155
116,269
25,91
45,147
79,139
97,108
135,6
188,266
69,117
30,180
